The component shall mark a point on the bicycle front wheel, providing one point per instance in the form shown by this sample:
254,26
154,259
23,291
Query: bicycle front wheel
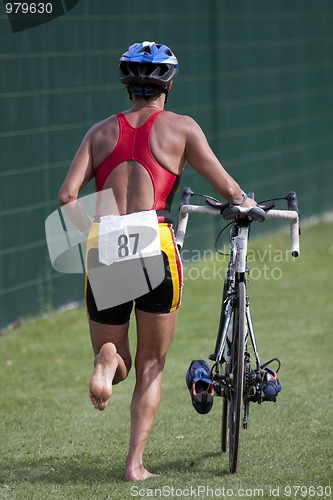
237,376
224,426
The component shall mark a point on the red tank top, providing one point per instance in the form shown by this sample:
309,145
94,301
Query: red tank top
134,144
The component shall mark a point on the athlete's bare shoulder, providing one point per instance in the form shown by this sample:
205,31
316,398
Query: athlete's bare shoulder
176,116
101,139
180,123
102,126
186,134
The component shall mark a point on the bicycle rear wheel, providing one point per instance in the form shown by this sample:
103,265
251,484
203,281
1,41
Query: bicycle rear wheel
237,376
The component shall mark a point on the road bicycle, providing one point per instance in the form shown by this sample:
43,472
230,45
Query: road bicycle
237,374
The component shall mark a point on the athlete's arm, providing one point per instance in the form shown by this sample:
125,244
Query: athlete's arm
79,174
202,159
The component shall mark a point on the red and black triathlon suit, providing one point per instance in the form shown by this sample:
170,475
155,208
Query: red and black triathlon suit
134,145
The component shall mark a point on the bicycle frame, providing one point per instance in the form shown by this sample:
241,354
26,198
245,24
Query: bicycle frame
236,273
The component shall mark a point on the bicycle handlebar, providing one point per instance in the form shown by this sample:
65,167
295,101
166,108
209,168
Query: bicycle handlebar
186,196
292,201
232,212
294,226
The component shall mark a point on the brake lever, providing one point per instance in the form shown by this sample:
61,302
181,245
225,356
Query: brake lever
267,207
221,205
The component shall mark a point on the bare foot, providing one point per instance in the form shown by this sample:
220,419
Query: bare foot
100,386
138,473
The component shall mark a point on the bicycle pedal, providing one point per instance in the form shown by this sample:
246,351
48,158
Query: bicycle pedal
219,390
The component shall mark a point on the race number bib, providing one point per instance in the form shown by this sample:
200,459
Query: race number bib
125,237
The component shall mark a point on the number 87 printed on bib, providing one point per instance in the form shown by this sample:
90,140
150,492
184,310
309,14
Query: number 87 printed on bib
132,236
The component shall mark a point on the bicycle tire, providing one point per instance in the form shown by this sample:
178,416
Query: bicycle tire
224,420
237,377
224,426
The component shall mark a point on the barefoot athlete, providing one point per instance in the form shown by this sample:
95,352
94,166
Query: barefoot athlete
140,154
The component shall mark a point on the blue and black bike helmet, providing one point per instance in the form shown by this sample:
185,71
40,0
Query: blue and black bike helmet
148,64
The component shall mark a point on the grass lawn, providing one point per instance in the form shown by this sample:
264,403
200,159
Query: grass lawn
54,445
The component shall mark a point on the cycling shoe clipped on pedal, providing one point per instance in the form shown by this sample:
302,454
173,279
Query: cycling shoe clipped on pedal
199,383
270,383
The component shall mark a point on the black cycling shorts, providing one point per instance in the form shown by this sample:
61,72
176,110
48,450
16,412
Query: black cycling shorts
165,298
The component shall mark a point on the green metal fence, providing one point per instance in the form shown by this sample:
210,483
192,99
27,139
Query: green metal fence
256,74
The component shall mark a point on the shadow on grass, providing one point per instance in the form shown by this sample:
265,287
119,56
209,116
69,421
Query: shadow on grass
61,471
90,470
210,464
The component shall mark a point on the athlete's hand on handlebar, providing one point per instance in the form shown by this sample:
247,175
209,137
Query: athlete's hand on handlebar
249,202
